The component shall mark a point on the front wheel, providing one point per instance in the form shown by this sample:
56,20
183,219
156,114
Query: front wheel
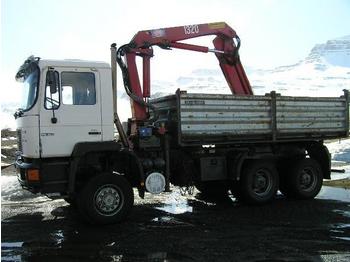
106,199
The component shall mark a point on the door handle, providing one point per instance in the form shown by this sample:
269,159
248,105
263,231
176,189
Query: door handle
94,133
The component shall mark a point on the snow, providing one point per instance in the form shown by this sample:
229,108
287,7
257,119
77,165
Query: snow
11,191
7,119
340,151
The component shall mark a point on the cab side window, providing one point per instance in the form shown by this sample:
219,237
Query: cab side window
78,88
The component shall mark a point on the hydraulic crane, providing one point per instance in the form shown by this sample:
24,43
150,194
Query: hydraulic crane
226,46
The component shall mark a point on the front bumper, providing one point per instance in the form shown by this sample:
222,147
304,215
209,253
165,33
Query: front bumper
24,167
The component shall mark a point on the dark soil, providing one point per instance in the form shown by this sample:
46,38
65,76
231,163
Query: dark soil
37,229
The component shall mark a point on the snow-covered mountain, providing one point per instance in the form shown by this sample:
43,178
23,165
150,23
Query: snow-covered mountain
334,52
324,72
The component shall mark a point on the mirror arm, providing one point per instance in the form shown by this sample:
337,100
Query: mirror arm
53,118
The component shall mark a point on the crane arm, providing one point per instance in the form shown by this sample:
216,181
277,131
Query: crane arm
173,34
226,46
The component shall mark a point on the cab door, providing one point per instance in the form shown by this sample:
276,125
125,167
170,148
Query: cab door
71,110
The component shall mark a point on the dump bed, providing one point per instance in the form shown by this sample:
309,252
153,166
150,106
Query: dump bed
211,118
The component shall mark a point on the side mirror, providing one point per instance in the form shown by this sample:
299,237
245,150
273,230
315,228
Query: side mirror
52,81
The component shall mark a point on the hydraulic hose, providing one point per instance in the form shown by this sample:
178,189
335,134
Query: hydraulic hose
126,80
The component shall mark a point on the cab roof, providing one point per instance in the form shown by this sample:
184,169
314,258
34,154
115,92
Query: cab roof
73,63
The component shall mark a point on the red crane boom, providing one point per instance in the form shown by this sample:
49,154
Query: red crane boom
226,46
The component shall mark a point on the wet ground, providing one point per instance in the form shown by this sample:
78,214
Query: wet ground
171,227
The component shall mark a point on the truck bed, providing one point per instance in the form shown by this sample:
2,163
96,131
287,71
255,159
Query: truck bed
211,118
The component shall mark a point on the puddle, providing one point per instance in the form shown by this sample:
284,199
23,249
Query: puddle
116,258
176,208
110,244
162,219
15,258
167,256
342,212
333,193
343,238
58,237
175,204
8,251
346,238
340,228
157,256
109,255
5,245
168,221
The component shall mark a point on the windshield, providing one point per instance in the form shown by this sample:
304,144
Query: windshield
30,90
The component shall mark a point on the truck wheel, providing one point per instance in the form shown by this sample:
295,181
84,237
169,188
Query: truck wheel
304,180
106,199
259,182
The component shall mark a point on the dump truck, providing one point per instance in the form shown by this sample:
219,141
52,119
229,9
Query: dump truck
251,145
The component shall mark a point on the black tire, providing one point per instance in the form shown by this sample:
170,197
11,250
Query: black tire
259,182
304,179
106,199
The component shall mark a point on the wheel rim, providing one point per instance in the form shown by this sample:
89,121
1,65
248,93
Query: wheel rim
307,179
108,200
262,182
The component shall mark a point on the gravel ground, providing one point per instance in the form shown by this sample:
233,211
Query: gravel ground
172,227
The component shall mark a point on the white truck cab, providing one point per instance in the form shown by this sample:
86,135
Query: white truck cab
65,133
55,116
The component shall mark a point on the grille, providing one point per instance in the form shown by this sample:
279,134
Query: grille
19,140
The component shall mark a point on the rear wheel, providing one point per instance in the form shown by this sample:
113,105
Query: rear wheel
259,182
106,199
304,179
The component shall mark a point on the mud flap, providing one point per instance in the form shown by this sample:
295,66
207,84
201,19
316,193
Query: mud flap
320,153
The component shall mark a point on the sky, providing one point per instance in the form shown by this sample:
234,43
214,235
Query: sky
273,32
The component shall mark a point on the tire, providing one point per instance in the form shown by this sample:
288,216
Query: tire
259,182
106,199
304,180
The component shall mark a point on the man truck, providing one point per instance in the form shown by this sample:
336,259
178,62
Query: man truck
249,144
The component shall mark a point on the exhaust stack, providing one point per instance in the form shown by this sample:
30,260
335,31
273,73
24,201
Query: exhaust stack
116,119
